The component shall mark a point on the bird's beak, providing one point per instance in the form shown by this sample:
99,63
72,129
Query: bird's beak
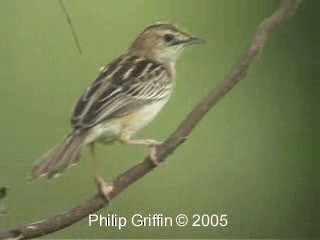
196,40
189,39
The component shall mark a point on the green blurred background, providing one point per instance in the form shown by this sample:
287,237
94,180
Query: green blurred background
253,157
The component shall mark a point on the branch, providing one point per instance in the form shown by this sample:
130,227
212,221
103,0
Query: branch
238,72
73,31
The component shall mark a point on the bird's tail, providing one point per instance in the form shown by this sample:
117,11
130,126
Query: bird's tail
59,158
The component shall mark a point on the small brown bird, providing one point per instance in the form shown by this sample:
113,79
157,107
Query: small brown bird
128,93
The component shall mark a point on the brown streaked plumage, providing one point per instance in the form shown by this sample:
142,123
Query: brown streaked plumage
128,93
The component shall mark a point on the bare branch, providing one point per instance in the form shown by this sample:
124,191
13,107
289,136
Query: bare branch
238,72
74,33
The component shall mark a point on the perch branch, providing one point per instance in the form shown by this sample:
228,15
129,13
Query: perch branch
238,72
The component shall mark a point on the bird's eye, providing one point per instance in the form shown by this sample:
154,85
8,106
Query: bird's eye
168,37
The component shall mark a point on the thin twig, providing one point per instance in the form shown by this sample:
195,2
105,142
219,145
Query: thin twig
97,202
74,33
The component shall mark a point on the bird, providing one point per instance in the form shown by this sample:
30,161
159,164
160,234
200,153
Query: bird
126,95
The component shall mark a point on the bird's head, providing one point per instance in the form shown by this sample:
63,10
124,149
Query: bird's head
163,42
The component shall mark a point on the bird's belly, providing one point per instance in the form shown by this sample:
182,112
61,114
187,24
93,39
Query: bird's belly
105,132
110,130
137,120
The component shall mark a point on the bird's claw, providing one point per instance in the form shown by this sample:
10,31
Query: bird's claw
153,153
104,188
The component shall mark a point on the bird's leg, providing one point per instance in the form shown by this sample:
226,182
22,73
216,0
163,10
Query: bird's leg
152,144
104,188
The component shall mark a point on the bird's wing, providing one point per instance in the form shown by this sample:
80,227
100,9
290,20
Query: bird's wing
123,86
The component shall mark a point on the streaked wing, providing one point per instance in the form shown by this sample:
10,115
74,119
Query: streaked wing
123,86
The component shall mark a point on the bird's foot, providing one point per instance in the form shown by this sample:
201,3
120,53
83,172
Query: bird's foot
151,143
104,188
153,152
